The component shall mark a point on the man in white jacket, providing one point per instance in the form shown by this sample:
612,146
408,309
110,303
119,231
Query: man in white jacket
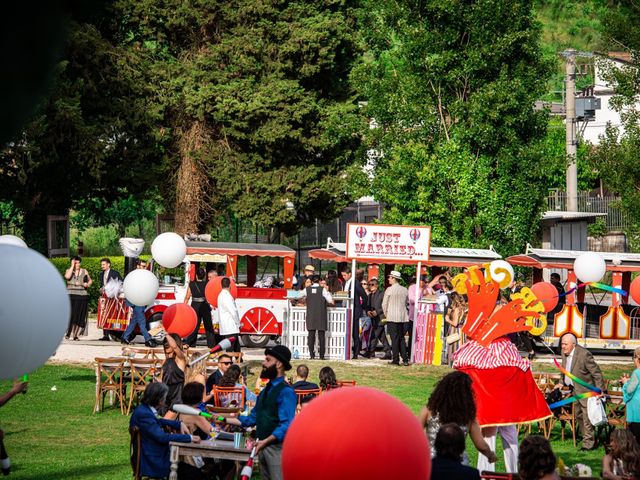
228,317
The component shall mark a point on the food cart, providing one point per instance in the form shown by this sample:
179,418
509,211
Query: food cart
599,320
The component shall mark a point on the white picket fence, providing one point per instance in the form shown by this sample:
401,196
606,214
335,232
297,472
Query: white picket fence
295,333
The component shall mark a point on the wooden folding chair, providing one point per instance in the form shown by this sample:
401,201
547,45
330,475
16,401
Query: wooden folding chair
312,392
347,383
227,396
236,357
566,416
211,366
134,451
143,372
109,372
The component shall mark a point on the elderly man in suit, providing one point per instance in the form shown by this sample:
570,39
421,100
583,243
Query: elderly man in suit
580,362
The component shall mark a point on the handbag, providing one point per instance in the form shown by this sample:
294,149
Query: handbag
453,338
596,412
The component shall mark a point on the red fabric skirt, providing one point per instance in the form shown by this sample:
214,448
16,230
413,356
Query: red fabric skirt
506,396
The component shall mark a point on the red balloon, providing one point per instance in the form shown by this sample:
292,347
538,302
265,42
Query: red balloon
334,437
547,294
634,290
214,287
180,318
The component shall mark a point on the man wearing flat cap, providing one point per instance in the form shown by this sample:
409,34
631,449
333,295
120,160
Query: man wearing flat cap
394,306
273,413
309,271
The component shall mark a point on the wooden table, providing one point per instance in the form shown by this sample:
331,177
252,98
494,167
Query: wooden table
222,449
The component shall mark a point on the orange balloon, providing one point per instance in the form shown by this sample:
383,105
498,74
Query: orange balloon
634,290
214,287
180,318
334,437
547,294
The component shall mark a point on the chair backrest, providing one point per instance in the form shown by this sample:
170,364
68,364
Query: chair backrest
108,371
347,383
499,476
227,396
134,451
312,392
143,371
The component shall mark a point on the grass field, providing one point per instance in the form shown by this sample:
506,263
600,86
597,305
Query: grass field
52,434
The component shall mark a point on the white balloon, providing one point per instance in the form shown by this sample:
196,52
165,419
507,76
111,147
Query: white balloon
12,240
501,272
169,249
589,267
34,310
140,287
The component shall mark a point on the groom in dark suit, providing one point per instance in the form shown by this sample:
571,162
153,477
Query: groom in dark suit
580,362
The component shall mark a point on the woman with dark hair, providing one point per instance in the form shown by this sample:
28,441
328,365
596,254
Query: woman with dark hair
78,282
452,401
154,441
173,370
536,459
333,282
195,293
232,378
623,461
327,378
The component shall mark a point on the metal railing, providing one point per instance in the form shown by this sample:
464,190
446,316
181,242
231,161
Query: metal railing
616,219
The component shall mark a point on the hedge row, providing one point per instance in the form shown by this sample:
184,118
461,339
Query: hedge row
92,265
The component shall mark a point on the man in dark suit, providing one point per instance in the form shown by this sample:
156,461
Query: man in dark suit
580,362
359,304
154,441
447,464
374,310
302,373
105,275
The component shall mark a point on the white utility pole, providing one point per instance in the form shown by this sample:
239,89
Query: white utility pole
571,139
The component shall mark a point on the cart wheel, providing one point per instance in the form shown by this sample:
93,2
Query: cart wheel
255,341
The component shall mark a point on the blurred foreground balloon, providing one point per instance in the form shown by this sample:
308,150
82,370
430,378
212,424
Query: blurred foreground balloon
34,310
335,438
589,267
12,240
169,249
140,287
214,287
180,318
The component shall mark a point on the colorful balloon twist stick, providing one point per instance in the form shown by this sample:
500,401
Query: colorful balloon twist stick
594,391
600,286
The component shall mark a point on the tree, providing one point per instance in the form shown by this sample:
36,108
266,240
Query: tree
96,135
256,97
451,87
616,157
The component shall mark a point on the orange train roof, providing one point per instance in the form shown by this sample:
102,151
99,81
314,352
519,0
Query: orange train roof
240,249
563,259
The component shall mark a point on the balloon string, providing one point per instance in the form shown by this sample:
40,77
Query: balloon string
600,286
594,391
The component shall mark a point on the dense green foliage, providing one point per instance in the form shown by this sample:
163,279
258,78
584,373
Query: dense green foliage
451,87
53,434
258,101
616,158
94,137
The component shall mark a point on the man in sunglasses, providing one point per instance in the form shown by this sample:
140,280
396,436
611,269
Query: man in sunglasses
374,311
224,362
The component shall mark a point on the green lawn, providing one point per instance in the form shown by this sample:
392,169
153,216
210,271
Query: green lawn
54,435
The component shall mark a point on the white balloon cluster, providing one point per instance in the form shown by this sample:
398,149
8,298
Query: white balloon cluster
589,267
141,286
34,309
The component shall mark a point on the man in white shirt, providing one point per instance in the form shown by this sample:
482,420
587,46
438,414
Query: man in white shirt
228,317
